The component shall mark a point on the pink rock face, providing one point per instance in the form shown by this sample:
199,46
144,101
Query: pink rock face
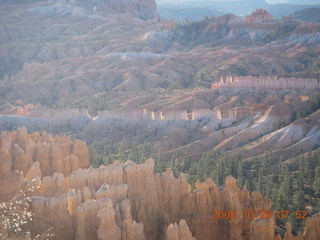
258,16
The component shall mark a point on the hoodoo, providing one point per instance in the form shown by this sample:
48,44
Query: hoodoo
127,200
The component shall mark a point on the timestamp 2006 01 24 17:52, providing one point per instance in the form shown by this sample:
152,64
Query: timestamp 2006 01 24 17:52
262,214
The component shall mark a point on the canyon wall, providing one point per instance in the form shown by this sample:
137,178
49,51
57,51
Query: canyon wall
137,115
268,83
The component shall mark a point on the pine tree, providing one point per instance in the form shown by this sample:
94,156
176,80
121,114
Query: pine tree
248,184
185,162
95,159
269,189
310,169
240,174
299,200
268,162
260,182
160,166
234,166
298,205
300,179
316,184
283,173
220,168
263,169
288,188
285,191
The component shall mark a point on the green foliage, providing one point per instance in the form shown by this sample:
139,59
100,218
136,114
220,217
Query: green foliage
94,158
291,185
204,77
285,191
95,103
117,154
240,174
280,31
201,79
160,163
137,153
316,184
315,101
313,68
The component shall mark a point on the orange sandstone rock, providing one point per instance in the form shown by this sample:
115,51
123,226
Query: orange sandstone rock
179,232
129,201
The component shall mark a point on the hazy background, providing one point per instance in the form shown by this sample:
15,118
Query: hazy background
268,1
197,9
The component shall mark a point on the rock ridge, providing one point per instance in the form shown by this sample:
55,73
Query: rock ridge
143,9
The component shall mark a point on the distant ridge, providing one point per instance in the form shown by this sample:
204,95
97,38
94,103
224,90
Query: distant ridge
143,9
241,8
308,15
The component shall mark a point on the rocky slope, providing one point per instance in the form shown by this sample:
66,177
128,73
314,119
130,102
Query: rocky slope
62,52
128,201
143,9
195,121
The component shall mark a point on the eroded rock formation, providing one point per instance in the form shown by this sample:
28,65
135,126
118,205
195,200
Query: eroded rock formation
179,231
258,15
37,155
129,201
268,83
